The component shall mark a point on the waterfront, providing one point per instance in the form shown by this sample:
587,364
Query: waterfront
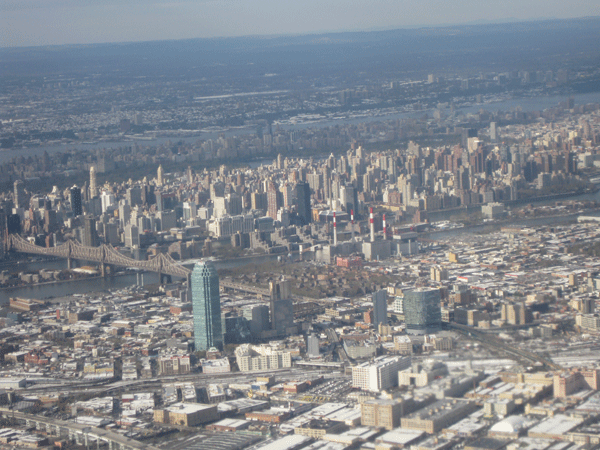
98,284
525,104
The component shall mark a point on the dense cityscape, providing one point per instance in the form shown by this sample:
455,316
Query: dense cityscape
305,257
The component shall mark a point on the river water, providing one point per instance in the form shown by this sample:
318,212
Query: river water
118,282
57,290
65,289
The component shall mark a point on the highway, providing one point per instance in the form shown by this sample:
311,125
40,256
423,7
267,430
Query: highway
104,387
85,432
497,344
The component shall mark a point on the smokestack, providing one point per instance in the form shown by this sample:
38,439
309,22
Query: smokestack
334,229
352,218
372,225
384,228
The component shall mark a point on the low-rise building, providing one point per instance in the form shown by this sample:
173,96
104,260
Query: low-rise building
438,415
186,414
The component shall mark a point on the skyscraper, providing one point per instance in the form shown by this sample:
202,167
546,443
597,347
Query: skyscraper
160,176
206,305
312,346
422,311
380,307
19,194
273,203
303,195
132,236
493,132
282,310
76,206
93,188
90,236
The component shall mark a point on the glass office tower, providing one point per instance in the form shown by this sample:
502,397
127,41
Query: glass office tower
206,304
422,311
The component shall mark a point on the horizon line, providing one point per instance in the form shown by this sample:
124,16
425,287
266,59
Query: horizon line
475,23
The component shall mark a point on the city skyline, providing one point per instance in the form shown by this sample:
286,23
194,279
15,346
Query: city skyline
37,23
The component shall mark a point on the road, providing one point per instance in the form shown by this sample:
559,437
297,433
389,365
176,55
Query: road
105,388
495,343
93,433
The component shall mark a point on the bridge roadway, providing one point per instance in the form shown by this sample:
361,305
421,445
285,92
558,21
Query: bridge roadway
79,433
104,255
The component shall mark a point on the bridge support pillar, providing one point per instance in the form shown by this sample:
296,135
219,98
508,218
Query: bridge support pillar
103,269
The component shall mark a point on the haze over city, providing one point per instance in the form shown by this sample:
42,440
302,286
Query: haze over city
42,22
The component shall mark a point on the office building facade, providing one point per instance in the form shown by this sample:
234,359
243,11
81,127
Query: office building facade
75,198
304,209
422,311
206,306
380,374
380,307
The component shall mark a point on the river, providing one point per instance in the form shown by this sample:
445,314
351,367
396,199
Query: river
526,104
102,284
98,284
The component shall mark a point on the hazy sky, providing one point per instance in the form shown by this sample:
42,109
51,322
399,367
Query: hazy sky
45,22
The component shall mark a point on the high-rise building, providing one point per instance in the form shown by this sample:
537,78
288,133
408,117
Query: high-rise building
132,236
273,200
124,213
111,233
93,187
282,310
380,374
3,231
107,199
380,307
13,224
90,236
312,346
422,311
19,194
516,313
493,132
189,210
303,195
258,316
134,196
75,198
160,176
206,306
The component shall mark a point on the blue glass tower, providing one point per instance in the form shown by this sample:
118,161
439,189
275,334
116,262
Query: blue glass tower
422,311
206,304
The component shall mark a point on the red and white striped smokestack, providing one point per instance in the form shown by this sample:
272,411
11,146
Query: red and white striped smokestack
372,224
352,218
384,228
334,229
